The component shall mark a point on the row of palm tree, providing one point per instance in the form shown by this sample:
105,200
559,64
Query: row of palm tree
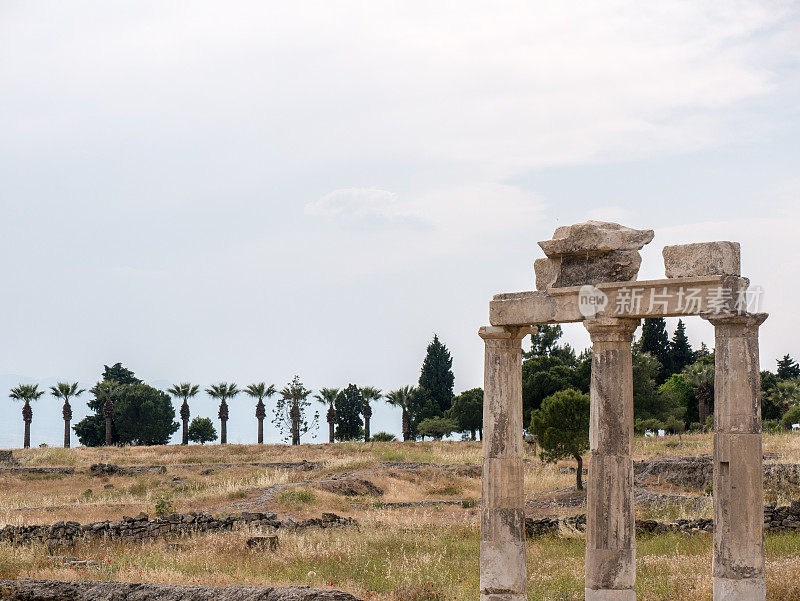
223,392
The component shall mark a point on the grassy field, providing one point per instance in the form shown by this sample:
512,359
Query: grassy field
404,554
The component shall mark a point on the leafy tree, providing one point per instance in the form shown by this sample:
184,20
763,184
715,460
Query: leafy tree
290,412
65,390
675,396
423,406
402,398
327,396
437,427
184,391
120,375
646,403
467,411
437,376
260,391
785,394
769,411
680,351
349,404
544,343
368,394
143,415
655,341
788,368
26,393
202,430
700,375
561,426
792,416
222,392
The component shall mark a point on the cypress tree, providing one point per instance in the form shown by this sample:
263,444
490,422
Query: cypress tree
655,341
437,376
680,350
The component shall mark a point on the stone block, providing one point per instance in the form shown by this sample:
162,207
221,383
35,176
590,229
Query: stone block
594,237
748,589
702,258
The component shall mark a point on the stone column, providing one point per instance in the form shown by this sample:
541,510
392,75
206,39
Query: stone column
738,564
610,525
503,571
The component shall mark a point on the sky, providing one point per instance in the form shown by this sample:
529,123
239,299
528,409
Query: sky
248,191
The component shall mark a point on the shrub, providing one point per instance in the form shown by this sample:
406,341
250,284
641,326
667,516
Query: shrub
163,506
383,437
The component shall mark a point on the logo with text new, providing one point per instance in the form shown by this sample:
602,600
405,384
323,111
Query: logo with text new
591,300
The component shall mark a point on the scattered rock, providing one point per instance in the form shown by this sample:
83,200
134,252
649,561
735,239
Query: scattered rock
207,472
350,487
594,237
108,469
7,457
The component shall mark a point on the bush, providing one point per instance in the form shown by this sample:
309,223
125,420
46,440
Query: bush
202,430
296,496
383,437
163,506
792,416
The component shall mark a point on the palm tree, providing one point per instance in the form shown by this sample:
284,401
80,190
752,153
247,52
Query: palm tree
105,391
402,398
26,393
701,377
368,393
785,394
65,390
184,391
223,391
260,391
327,396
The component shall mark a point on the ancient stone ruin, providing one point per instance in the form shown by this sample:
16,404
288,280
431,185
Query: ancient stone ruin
589,276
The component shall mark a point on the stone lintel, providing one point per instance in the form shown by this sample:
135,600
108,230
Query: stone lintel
706,296
512,333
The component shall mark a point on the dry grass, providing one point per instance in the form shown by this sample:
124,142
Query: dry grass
408,554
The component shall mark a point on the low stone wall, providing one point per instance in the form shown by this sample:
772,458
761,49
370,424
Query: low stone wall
88,590
776,519
696,472
141,528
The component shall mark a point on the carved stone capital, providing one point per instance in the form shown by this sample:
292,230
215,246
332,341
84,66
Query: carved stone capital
611,329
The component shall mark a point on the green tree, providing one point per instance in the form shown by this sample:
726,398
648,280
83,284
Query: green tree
349,405
222,392
291,412
185,391
202,430
260,391
646,403
788,368
792,416
702,352
65,390
785,394
561,426
675,396
467,411
26,393
655,341
680,351
402,397
437,427
700,376
143,415
437,376
369,394
383,437
769,411
327,396
423,406
120,375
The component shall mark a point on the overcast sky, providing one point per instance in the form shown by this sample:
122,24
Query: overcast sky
247,191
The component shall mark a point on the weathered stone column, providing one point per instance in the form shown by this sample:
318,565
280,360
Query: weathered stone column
610,525
503,571
738,564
